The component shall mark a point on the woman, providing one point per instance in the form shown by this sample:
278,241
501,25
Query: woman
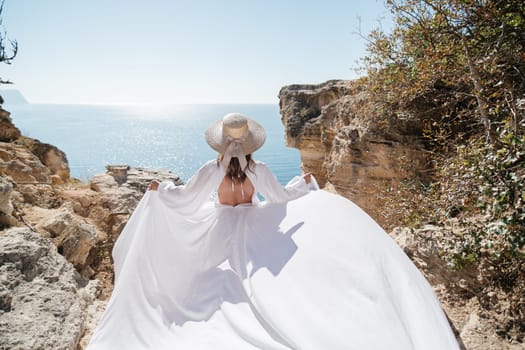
300,270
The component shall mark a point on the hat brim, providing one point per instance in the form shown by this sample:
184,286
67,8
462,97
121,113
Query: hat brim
253,141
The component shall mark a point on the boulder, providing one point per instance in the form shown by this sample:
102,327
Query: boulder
52,157
6,207
74,239
103,183
8,132
42,297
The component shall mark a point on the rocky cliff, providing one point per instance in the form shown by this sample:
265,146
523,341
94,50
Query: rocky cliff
350,151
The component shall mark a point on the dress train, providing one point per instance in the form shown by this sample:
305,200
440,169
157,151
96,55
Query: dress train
314,273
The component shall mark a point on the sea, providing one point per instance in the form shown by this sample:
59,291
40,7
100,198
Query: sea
162,137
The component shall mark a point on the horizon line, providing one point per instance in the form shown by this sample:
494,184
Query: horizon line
145,104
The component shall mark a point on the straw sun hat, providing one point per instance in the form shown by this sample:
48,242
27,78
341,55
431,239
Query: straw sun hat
235,136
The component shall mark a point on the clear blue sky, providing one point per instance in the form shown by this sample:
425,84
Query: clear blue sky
161,51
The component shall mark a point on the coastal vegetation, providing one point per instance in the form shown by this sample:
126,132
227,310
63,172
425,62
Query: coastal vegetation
457,69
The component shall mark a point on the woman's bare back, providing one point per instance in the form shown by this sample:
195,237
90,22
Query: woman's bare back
235,192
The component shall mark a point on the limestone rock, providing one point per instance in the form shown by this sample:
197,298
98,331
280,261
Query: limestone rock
138,179
74,239
123,186
34,169
6,206
42,301
8,132
28,160
5,196
343,142
53,158
102,183
22,166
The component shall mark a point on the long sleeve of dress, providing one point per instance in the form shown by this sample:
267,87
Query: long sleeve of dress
273,192
189,198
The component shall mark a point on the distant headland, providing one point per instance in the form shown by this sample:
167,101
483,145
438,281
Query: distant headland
12,97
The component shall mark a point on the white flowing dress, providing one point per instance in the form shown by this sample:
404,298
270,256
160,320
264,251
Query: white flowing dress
300,270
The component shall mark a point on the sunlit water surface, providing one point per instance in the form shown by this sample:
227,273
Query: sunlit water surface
165,137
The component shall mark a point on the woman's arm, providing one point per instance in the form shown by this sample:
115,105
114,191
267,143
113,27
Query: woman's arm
272,191
190,197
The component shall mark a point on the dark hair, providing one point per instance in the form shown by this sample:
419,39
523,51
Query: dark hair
234,170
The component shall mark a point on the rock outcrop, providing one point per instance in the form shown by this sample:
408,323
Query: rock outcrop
26,160
8,132
335,127
42,297
73,237
53,158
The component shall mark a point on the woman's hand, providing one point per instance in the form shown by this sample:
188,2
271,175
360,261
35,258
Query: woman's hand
153,186
307,177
